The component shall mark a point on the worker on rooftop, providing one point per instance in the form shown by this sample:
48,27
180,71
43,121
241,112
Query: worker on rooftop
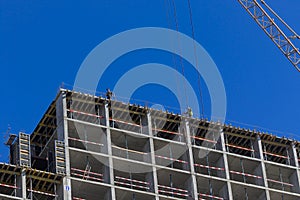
109,94
189,112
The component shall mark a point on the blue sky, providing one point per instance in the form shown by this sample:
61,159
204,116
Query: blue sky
43,43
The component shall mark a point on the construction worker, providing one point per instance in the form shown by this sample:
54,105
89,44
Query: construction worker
108,94
189,112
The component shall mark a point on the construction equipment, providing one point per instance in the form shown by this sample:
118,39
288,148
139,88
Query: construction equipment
272,29
60,157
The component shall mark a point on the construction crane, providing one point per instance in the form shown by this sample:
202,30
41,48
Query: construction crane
283,41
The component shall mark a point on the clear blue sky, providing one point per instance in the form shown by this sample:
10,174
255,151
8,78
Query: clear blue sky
43,43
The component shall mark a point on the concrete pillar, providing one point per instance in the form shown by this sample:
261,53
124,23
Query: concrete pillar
262,197
226,166
295,178
149,179
64,190
21,184
258,172
193,186
223,191
109,151
107,195
220,163
186,157
258,149
293,155
147,157
106,173
144,121
152,154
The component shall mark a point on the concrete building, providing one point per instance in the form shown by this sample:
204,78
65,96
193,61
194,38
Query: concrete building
89,147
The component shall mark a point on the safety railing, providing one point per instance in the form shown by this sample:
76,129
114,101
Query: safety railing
239,145
132,183
77,198
177,163
9,189
170,135
173,191
86,116
209,143
8,186
243,174
86,145
42,193
144,156
209,196
86,175
209,170
127,125
131,154
284,179
268,156
280,182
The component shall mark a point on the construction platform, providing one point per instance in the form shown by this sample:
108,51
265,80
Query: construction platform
89,147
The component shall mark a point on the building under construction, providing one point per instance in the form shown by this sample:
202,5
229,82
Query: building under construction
90,147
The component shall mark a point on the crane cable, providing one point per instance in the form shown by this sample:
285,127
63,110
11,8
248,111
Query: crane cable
180,52
196,58
167,5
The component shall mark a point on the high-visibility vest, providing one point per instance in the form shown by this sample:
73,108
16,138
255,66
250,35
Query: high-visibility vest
190,112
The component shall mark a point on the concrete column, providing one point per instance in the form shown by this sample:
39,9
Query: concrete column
226,166
64,190
262,197
193,185
106,173
149,179
147,157
223,191
220,163
107,195
152,154
21,184
109,151
293,155
295,178
258,172
258,149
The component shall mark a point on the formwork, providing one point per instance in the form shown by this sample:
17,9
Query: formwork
90,147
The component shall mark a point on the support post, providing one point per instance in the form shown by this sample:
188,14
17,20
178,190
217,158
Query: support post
21,184
152,154
259,154
194,189
109,151
226,166
64,190
295,177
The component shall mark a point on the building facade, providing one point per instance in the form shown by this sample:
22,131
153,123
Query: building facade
90,147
